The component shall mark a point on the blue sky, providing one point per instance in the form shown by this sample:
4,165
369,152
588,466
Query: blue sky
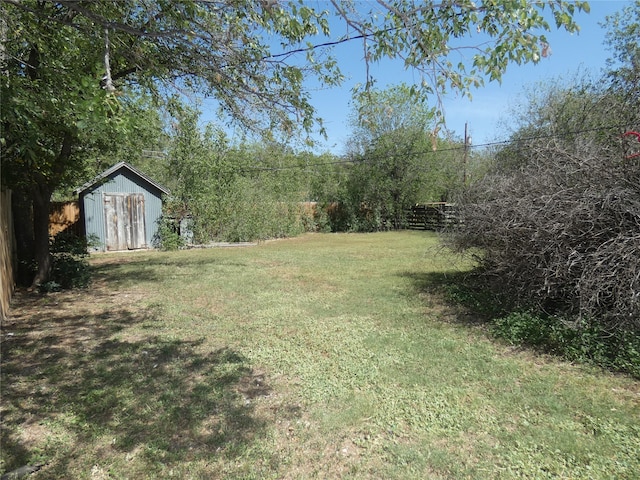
571,53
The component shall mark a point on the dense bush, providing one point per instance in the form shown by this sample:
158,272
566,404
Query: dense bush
235,193
69,266
555,223
586,343
561,233
168,236
395,159
577,340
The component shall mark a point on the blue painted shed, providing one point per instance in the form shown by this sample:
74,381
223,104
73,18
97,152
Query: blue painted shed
121,208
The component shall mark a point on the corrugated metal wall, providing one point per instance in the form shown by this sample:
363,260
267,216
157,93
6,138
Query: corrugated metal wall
122,181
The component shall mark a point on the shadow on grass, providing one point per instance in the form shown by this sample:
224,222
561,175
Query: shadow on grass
76,392
474,302
131,269
464,291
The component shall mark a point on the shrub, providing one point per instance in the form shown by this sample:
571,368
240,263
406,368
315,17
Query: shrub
69,266
168,236
313,218
556,221
585,342
561,233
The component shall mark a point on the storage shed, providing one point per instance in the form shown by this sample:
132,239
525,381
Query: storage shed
121,208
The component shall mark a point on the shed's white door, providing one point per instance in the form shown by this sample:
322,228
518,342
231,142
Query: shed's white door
125,222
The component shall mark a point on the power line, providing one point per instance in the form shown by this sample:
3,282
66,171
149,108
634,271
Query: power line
550,135
442,150
319,45
333,42
249,169
292,167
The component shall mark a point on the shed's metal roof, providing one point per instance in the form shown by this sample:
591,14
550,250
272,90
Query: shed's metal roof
114,169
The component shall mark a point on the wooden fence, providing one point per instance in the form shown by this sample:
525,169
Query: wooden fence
64,216
432,216
7,253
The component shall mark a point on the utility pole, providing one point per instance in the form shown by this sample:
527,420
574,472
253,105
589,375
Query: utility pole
467,142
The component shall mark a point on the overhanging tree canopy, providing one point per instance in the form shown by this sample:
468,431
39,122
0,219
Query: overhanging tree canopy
64,63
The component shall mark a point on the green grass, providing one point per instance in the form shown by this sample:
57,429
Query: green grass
325,356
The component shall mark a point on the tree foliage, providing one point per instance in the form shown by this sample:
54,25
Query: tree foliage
512,32
67,66
234,192
623,31
397,160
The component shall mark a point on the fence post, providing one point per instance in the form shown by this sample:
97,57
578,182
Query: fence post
7,253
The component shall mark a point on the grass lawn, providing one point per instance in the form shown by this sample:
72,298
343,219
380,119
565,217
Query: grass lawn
324,356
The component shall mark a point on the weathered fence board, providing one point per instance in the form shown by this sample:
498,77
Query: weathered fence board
431,216
7,253
64,216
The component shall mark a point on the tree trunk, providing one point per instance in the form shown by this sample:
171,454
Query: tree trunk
23,227
41,195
